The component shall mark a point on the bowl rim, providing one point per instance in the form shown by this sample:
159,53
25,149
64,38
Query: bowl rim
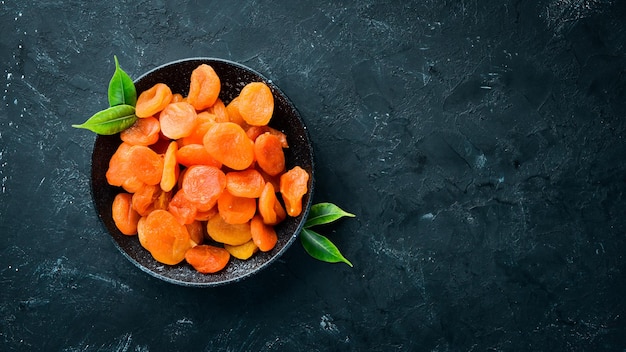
305,207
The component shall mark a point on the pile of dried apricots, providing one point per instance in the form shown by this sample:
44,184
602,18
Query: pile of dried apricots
204,181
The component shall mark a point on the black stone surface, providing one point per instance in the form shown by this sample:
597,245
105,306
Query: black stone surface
479,143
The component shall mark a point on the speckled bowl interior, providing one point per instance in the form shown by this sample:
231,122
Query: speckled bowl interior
286,118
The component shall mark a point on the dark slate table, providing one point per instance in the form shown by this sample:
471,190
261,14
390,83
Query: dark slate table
479,143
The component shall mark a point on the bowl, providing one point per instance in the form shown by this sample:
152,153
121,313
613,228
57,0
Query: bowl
286,118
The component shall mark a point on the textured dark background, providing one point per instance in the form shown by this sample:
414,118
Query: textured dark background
480,144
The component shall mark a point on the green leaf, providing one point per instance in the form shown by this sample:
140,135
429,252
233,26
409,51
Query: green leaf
121,88
110,121
321,248
324,213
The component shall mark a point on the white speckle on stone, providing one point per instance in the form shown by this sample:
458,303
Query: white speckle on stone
327,324
428,216
480,162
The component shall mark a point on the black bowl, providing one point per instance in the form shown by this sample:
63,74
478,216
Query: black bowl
286,118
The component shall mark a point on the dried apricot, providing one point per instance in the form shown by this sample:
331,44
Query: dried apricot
269,154
228,143
256,103
164,237
247,183
124,216
178,120
119,168
263,235
232,234
153,100
147,165
143,132
242,251
204,87
235,210
207,259
203,185
171,170
270,208
293,186
195,154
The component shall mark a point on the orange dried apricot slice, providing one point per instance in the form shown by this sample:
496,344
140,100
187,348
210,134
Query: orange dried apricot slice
256,103
124,216
293,186
247,183
143,132
164,237
235,210
178,120
146,164
242,251
270,208
231,234
263,235
207,259
203,185
269,154
204,87
153,100
228,143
